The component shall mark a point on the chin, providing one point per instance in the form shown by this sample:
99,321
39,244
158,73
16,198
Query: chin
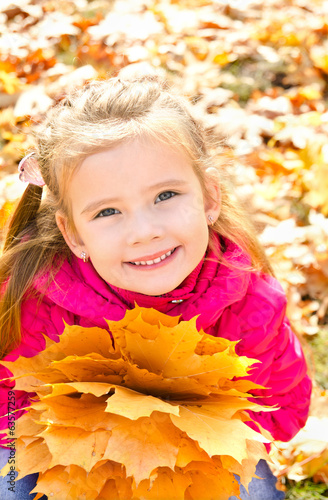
160,290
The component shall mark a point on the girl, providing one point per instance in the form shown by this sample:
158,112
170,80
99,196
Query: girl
135,211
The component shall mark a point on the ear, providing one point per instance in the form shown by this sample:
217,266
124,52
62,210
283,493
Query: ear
72,241
213,201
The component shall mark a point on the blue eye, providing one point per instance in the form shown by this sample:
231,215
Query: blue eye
166,195
107,212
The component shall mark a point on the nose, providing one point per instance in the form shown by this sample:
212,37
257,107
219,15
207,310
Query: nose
143,227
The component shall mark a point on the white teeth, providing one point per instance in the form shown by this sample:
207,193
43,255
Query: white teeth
155,261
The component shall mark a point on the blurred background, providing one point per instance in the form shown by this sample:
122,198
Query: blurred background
256,73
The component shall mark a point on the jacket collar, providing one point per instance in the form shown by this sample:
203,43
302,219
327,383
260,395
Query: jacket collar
183,292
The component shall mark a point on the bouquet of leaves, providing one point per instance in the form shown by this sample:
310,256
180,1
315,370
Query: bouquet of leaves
156,410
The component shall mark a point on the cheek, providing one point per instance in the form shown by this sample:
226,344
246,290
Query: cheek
108,252
192,212
107,263
101,235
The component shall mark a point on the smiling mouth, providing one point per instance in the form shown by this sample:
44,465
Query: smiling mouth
155,261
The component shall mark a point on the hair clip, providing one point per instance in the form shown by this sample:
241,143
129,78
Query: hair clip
29,171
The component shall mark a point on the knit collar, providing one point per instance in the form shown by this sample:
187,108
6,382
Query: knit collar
183,292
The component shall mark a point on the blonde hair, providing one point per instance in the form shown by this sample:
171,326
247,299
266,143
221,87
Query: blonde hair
97,117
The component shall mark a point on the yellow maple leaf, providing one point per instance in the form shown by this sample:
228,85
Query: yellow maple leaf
144,445
213,432
88,412
134,405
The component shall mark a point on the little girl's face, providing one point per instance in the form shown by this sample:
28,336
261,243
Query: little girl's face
140,216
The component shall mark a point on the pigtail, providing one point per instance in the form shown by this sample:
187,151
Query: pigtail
24,215
32,244
16,265
26,248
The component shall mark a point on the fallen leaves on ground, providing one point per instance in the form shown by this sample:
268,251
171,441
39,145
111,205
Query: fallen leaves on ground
306,455
256,73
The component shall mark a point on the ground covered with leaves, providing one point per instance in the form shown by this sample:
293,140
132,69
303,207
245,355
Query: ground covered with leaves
257,74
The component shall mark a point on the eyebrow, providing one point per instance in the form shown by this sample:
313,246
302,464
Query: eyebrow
109,201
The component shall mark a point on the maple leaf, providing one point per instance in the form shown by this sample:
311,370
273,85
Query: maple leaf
153,410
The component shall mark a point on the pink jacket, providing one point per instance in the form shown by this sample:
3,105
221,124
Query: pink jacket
231,303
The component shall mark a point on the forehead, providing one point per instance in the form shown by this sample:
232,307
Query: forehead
138,161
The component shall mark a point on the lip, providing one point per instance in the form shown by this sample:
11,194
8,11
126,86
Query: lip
159,264
152,256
